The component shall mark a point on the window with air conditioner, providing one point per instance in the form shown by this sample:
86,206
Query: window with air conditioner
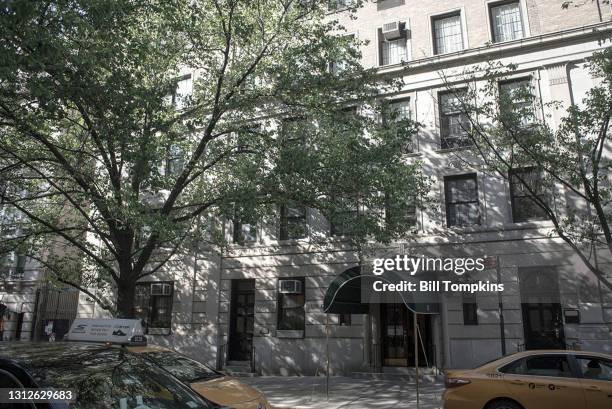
291,314
393,43
153,304
288,286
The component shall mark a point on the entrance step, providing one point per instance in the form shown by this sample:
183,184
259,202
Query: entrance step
239,369
408,374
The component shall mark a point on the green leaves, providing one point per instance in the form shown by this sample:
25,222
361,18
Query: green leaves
142,118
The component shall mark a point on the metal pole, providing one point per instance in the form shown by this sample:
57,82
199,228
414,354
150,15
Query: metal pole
416,356
502,326
327,350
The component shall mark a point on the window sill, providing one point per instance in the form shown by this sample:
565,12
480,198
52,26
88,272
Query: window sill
457,149
536,223
289,333
293,242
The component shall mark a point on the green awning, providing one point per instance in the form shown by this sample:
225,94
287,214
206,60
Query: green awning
344,295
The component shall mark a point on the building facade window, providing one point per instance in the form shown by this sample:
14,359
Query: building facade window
470,313
524,205
506,21
393,49
454,121
447,33
291,300
339,66
398,112
153,304
387,4
344,320
399,213
342,221
516,102
337,5
293,223
183,91
243,232
175,160
12,266
461,194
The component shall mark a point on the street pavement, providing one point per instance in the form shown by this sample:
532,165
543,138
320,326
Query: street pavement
309,392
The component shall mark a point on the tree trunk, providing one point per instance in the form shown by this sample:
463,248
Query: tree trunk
126,292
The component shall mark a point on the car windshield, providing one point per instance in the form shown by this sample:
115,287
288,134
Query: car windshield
185,369
112,378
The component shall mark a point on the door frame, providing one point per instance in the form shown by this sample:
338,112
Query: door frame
539,287
231,352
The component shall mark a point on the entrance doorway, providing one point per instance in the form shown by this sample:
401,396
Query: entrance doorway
242,313
541,308
398,336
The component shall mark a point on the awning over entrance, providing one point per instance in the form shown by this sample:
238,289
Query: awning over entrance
344,295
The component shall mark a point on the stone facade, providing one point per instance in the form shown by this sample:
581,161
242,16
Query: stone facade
552,54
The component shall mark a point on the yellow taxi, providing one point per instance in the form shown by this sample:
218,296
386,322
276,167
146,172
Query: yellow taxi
541,379
212,385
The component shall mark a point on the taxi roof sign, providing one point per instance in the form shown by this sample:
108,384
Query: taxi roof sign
116,331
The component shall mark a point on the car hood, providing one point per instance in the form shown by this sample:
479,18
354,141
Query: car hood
225,390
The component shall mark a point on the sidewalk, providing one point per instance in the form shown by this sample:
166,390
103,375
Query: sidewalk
308,392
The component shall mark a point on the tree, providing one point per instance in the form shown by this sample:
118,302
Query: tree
111,161
561,174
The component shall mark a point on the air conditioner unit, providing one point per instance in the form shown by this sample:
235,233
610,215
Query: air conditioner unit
290,287
391,31
161,289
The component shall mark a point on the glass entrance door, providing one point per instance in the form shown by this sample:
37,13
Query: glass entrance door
398,336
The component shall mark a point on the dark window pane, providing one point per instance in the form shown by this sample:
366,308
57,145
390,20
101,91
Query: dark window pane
462,207
454,122
470,313
524,206
543,365
293,224
595,368
344,319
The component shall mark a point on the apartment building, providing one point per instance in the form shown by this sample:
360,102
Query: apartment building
260,304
